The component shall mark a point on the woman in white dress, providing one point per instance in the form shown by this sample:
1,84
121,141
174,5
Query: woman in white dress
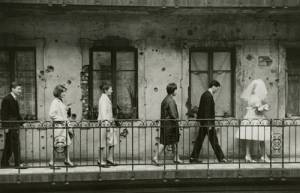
58,114
254,126
108,137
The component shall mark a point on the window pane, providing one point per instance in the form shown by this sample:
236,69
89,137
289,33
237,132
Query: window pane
293,95
221,61
4,60
223,96
25,73
4,75
126,94
101,60
25,60
27,100
99,78
125,61
199,84
199,61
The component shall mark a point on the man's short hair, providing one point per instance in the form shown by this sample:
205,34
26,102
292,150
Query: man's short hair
58,90
14,84
171,88
214,83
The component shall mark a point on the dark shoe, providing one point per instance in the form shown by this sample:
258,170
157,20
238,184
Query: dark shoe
21,166
102,165
53,166
155,162
195,161
110,163
69,164
225,161
178,161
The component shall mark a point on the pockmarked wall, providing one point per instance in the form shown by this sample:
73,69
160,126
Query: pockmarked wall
163,41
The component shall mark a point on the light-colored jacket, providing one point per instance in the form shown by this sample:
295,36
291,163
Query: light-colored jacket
58,112
105,108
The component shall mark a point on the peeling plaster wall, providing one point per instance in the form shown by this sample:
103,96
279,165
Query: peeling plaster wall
163,43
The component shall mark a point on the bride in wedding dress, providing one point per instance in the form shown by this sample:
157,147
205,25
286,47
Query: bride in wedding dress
255,127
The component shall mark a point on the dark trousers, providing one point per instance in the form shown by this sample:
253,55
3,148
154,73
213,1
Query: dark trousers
12,145
213,139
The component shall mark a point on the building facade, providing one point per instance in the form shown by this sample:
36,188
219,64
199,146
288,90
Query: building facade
139,49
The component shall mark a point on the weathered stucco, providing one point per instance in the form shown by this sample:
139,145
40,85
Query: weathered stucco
163,41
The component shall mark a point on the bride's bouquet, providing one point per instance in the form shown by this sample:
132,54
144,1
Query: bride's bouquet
262,108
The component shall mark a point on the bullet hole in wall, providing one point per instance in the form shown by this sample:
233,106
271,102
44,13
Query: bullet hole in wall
249,57
163,37
49,69
250,78
56,40
141,53
271,84
155,89
267,78
69,82
163,69
42,72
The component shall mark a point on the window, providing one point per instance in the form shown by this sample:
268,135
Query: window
293,78
207,65
119,68
19,64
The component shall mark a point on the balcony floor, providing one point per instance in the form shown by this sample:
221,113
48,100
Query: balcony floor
88,172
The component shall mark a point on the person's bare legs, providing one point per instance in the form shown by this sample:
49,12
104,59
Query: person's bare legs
262,148
248,157
101,156
157,152
110,155
176,154
67,156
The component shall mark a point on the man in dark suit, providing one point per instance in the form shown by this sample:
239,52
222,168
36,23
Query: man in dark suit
206,112
10,112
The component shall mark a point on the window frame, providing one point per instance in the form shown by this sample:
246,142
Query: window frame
210,71
287,50
12,67
113,51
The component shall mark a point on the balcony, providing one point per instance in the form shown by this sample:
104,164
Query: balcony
138,139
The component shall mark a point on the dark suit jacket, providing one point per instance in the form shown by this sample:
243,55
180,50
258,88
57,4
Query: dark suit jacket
206,108
10,111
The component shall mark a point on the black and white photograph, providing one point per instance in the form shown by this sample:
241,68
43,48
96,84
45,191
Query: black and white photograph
153,96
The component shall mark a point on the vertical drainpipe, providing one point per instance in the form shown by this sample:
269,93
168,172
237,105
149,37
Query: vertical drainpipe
145,82
181,79
45,85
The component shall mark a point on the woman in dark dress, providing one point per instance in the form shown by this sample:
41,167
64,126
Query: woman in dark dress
169,127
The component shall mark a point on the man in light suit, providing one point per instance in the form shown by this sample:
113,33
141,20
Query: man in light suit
10,112
206,112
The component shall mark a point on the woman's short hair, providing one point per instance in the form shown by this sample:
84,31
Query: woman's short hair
58,90
105,87
171,88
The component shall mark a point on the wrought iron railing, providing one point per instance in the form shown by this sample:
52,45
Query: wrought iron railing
137,140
